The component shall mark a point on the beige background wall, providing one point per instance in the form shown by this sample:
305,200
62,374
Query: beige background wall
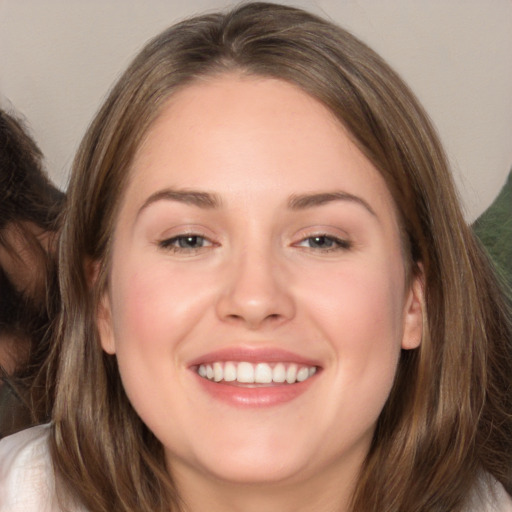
58,58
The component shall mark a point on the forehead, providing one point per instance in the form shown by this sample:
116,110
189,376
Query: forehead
246,134
228,108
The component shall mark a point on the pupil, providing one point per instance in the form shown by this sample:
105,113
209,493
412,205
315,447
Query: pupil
321,241
189,241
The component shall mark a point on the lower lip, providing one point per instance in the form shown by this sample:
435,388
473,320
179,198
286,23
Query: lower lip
262,396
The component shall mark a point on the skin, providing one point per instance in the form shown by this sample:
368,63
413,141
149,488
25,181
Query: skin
258,278
21,262
24,266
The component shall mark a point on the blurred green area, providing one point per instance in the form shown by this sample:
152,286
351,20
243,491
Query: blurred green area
494,229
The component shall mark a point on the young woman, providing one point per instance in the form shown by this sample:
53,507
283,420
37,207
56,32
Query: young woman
271,300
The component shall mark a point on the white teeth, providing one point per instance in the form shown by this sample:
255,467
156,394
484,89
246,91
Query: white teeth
279,373
218,372
229,372
291,374
245,373
303,374
260,373
263,374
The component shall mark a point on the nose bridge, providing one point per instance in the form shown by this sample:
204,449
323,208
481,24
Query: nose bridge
256,288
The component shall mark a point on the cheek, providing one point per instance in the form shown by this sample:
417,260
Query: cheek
359,311
156,309
154,305
138,313
358,303
153,309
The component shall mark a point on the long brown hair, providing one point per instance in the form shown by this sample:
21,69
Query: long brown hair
448,418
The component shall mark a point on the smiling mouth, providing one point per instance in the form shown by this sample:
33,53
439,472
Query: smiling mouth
246,373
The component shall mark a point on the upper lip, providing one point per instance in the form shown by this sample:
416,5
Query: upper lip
254,355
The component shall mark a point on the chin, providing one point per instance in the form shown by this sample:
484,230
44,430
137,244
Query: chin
256,472
260,461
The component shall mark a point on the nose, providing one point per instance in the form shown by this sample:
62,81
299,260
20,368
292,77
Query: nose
257,292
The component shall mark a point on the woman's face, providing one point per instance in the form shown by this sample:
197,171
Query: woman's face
257,299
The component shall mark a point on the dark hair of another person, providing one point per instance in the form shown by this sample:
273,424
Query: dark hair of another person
29,211
448,419
26,193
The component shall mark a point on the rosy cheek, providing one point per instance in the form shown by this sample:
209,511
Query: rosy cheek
157,303
136,303
358,311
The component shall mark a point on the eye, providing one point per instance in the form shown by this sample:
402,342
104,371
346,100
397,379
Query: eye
324,243
185,243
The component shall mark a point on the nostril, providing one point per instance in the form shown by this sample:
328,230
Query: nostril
255,321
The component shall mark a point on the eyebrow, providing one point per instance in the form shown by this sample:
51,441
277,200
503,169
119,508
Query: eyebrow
206,200
203,200
304,201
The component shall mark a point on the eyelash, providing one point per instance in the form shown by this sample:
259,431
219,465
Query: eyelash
174,244
337,244
177,244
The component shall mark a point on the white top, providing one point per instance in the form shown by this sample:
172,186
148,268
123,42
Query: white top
27,483
26,474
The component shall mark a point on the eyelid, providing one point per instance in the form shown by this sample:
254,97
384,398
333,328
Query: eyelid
339,243
166,241
341,239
